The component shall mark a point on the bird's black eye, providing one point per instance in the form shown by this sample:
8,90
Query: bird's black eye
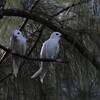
57,34
18,33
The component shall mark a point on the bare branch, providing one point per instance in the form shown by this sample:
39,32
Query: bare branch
40,31
26,20
30,59
4,78
67,8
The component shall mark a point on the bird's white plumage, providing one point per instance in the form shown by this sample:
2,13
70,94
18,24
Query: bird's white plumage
17,45
50,49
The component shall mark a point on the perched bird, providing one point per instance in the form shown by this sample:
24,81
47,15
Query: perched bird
50,50
17,45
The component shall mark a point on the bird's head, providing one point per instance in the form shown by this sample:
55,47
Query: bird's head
17,34
55,35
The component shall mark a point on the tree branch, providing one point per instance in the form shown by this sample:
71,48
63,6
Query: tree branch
30,59
26,20
1,80
67,8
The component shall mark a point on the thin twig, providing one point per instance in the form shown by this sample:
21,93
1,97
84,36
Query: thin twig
4,78
34,45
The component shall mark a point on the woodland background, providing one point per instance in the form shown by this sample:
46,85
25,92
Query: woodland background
78,21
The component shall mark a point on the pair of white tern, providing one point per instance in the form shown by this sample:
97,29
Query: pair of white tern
50,49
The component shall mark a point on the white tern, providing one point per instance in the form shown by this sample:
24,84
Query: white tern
50,50
17,45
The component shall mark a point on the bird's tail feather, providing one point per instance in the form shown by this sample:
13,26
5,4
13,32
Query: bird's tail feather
38,72
43,75
15,68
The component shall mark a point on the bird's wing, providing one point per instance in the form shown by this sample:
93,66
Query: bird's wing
57,51
22,46
11,44
23,49
43,53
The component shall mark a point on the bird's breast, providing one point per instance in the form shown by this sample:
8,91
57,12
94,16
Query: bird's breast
51,49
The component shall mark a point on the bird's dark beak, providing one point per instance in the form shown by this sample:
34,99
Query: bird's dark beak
15,37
